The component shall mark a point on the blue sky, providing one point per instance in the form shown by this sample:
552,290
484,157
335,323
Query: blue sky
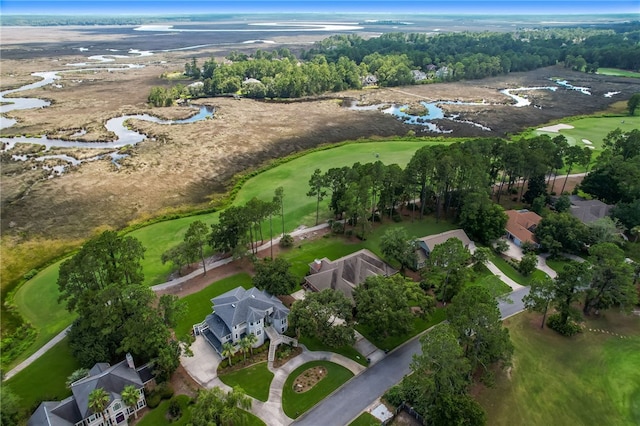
400,6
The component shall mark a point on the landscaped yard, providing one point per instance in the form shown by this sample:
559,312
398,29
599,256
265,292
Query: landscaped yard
254,380
158,416
512,273
313,344
45,378
590,379
199,304
335,246
294,403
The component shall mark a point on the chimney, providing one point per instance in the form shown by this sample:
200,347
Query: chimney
130,363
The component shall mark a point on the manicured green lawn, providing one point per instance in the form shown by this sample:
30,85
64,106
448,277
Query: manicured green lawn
254,380
510,272
44,380
590,379
618,72
294,403
157,416
558,264
199,304
393,341
594,129
313,344
365,419
37,302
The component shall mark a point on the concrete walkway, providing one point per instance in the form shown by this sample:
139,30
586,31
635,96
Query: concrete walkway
24,364
203,366
505,279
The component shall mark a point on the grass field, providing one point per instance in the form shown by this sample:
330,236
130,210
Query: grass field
254,380
594,129
592,378
199,304
50,371
618,72
294,403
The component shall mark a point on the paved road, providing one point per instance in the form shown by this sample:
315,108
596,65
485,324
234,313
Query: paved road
360,392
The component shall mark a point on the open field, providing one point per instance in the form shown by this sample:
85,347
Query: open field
618,72
591,378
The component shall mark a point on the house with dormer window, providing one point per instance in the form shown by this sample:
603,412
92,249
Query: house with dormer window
239,312
75,411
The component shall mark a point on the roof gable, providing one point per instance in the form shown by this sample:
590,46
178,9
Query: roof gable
239,305
346,273
522,223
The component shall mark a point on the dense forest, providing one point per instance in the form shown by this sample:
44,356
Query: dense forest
345,62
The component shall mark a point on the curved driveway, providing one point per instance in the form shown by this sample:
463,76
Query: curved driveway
355,396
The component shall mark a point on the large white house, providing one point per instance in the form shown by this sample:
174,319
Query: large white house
239,312
75,411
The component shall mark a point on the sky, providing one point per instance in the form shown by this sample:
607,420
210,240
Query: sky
157,7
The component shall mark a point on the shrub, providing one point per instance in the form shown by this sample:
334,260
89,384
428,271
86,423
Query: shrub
286,241
174,408
569,329
153,400
395,396
337,227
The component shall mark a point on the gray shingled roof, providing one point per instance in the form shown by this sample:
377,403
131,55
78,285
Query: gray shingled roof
75,408
238,305
588,210
56,413
431,241
346,273
112,380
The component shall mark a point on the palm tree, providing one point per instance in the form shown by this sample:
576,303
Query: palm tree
228,350
99,401
130,396
252,338
244,346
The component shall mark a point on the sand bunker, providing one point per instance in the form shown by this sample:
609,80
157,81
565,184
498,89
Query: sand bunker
587,141
555,128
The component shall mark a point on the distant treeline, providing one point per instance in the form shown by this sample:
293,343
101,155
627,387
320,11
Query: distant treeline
56,20
343,62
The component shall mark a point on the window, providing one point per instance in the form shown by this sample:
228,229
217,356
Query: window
116,406
259,332
120,418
